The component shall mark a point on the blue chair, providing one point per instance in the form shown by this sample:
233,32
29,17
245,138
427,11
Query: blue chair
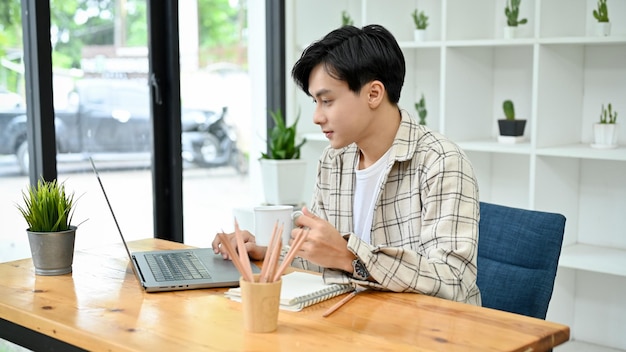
518,254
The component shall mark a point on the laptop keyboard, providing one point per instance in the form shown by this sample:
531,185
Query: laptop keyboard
176,266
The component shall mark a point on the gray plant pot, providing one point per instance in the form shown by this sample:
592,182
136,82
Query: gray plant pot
52,252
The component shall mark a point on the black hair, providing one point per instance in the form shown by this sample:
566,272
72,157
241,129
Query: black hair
356,56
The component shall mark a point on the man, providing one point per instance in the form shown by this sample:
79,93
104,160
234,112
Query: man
395,206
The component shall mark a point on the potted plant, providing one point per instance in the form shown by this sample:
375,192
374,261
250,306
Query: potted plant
605,131
346,20
511,129
421,110
282,170
48,210
512,14
421,23
601,14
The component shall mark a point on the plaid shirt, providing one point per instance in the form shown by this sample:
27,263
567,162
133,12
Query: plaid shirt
424,234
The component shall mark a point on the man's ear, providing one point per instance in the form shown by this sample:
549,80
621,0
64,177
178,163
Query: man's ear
375,94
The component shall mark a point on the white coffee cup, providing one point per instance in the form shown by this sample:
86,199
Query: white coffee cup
244,217
266,216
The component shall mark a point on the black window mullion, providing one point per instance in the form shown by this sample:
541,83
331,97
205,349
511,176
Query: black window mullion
275,52
38,74
163,57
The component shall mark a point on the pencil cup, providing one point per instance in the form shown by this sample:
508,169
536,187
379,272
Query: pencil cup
260,302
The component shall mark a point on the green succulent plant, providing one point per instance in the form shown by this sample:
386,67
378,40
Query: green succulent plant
607,115
282,139
47,207
509,110
421,110
420,19
512,13
602,12
346,20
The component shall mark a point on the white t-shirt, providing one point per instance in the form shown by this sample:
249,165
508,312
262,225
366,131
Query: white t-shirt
365,194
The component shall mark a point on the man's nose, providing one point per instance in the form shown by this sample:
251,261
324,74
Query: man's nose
318,116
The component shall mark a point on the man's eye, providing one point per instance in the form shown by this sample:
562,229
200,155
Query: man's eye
323,101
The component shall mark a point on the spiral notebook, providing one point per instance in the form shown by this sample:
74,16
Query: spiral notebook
300,290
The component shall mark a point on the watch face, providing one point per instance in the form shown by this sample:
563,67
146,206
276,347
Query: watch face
360,272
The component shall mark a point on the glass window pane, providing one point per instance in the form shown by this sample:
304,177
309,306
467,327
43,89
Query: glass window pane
214,77
13,240
102,108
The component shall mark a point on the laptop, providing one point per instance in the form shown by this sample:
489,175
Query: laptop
178,269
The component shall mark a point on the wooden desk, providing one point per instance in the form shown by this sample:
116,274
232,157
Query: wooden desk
100,306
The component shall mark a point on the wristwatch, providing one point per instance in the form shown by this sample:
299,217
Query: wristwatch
360,271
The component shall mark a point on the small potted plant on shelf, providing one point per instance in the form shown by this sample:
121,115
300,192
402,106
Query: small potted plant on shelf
346,20
512,22
282,170
601,14
511,129
605,131
421,23
48,210
421,110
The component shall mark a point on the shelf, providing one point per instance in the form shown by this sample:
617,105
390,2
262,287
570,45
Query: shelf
490,42
584,40
424,44
584,151
493,146
515,42
468,43
593,258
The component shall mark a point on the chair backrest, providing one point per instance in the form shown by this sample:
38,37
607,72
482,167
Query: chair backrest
518,254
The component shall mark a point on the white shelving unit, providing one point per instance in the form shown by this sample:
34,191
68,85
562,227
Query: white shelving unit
558,74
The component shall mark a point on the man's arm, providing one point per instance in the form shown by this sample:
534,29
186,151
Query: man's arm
433,252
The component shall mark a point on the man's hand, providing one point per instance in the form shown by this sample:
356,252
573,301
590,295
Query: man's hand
254,252
324,245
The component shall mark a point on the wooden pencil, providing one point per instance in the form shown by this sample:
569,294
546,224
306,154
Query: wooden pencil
268,255
275,256
266,273
292,253
243,254
232,253
339,304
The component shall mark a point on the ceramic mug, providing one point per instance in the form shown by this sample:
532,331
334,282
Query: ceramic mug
265,217
245,217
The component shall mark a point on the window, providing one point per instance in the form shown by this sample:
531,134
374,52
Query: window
105,42
214,77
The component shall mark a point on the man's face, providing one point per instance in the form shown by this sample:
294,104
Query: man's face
343,115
